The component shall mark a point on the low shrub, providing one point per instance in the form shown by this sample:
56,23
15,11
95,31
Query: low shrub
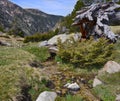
40,37
85,54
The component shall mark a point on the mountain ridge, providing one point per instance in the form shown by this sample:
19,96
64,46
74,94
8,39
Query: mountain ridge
29,21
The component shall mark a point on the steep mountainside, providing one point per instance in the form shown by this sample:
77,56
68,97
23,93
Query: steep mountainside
29,21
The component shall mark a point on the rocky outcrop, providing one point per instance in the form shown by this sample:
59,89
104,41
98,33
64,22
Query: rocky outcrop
96,82
28,21
110,67
94,20
47,96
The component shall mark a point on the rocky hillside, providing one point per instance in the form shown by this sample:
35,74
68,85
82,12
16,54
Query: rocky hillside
28,21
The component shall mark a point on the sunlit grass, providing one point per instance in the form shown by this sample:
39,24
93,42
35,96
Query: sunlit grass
15,73
115,29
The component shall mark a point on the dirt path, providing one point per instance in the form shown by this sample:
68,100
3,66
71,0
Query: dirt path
60,78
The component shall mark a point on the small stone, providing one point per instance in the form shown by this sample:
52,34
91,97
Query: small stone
74,87
96,82
47,96
118,98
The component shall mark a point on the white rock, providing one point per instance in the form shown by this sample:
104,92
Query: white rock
96,82
117,98
47,96
111,67
66,85
74,86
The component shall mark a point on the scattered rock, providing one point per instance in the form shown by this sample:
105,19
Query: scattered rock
117,98
43,43
73,86
96,82
3,43
110,67
47,96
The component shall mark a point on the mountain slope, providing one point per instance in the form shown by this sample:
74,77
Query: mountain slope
29,21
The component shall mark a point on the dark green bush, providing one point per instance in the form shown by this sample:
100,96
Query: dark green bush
16,32
1,29
40,37
85,54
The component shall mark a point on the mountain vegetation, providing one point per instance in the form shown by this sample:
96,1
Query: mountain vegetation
68,20
28,69
85,54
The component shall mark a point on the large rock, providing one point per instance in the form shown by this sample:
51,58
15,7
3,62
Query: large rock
47,96
111,67
96,82
63,37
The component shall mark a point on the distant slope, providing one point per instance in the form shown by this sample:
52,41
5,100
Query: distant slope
29,21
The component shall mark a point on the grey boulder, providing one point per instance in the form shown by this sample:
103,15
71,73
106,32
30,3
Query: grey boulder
63,37
47,96
96,82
